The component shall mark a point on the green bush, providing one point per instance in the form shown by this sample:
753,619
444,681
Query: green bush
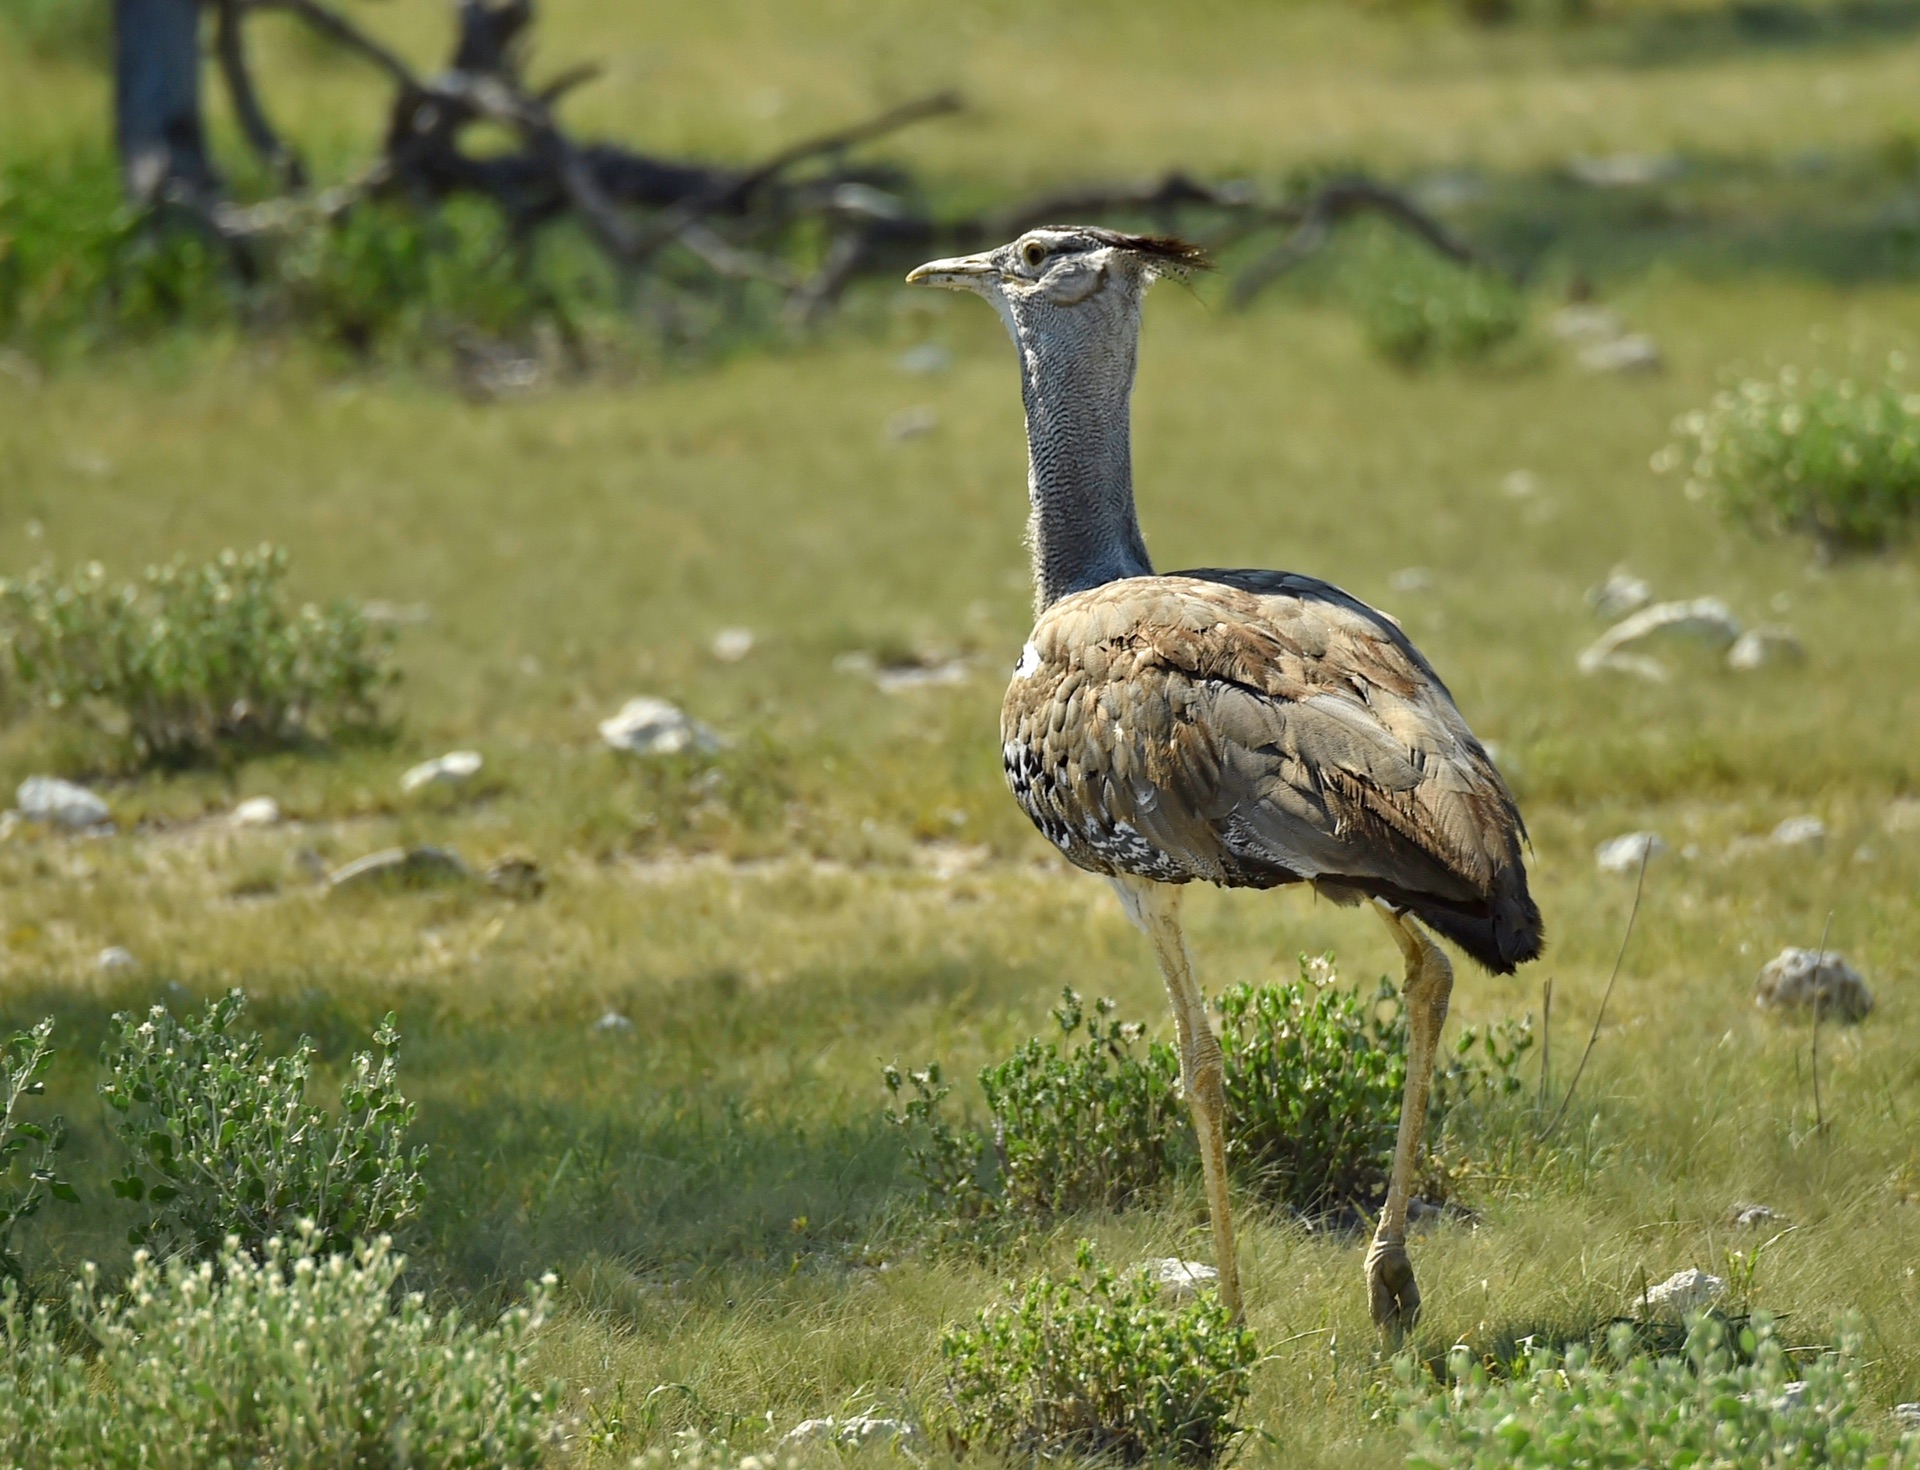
222,1143
193,662
1098,1363
1827,457
1732,1405
1094,1119
1418,308
24,1059
295,1359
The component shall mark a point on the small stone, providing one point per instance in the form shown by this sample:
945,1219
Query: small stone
1770,643
1799,832
1752,1217
1625,853
516,877
114,960
649,726
255,811
1633,353
450,769
62,804
897,677
1798,979
1520,485
1584,322
1623,170
730,645
396,614
861,1429
1683,1292
613,1021
912,423
1179,1279
1706,619
401,867
1622,593
1902,814
924,361
1907,1416
1411,579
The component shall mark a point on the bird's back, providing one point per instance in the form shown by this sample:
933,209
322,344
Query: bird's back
1254,728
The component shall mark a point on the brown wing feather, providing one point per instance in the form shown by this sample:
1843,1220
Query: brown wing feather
1255,728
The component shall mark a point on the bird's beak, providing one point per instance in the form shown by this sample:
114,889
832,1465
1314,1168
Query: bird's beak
958,273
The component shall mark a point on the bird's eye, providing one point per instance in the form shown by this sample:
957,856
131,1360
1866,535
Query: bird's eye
1033,252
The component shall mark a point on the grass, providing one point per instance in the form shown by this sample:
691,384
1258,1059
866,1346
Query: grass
848,882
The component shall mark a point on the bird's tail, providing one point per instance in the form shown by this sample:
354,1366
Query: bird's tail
1504,935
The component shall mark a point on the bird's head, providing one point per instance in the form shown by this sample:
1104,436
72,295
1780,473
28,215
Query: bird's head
1077,270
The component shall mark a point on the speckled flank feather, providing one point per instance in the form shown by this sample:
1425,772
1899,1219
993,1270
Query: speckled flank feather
1253,729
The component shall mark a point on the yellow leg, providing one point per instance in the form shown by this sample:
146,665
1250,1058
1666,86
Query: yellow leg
1155,908
1391,1292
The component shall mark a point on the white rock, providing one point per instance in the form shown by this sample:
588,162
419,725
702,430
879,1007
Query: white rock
649,726
912,423
1795,979
1907,1416
1799,832
1179,1279
1770,643
396,614
1902,814
1584,322
1622,593
730,645
116,961
1625,853
1707,619
1623,170
1752,1217
62,804
445,770
1411,579
1520,485
898,678
613,1021
858,1430
401,866
1633,353
255,811
1683,1292
925,360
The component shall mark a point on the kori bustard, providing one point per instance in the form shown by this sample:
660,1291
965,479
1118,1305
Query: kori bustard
1244,728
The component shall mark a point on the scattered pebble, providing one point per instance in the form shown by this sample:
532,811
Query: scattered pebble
730,645
62,804
1797,979
1585,322
1625,853
649,726
516,877
613,1021
1411,579
1799,832
114,960
396,614
929,671
1623,170
912,423
1770,643
450,769
1179,1279
859,1430
1622,593
255,811
1705,618
1520,485
924,361
1633,353
408,866
1683,1292
949,860
1902,814
1752,1217
1907,1416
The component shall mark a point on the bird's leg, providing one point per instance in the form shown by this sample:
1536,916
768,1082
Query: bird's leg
1391,1292
1155,908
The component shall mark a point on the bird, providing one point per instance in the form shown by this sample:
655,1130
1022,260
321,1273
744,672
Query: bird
1244,728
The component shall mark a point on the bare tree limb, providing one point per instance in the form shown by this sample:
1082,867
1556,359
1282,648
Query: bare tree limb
230,47
337,27
1333,204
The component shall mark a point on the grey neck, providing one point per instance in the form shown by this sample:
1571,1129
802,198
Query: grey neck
1076,378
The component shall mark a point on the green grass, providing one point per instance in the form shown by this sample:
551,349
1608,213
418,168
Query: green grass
717,1187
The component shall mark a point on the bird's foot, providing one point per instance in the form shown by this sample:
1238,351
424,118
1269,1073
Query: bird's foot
1391,1292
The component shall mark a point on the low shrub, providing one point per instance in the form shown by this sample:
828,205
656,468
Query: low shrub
27,1149
1419,308
223,1145
293,1358
1098,1363
1094,1119
1831,458
1732,1404
193,662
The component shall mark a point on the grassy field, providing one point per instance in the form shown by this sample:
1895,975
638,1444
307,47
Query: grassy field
848,883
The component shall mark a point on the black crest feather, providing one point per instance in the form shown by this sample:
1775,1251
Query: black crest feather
1168,250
